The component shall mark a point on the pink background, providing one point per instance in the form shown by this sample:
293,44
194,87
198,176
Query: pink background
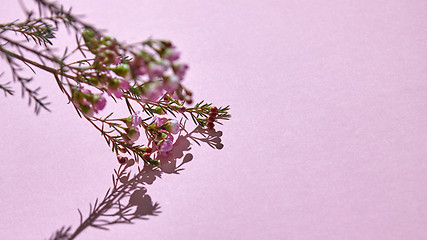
327,138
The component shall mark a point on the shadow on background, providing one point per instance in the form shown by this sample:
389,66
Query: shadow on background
128,200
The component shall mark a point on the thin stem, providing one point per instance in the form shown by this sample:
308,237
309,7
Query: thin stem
36,64
31,50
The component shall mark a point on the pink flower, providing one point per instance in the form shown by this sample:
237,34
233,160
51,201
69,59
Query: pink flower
132,135
180,70
156,70
172,126
88,102
166,145
85,91
171,54
100,104
141,70
159,121
116,92
138,66
132,132
124,84
171,84
117,87
134,120
154,92
85,106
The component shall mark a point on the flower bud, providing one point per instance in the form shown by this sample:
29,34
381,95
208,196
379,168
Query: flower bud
188,100
93,81
158,110
188,92
108,41
214,110
181,109
113,83
88,34
92,98
148,150
146,156
121,159
86,109
135,90
110,57
211,119
145,56
122,69
210,125
89,37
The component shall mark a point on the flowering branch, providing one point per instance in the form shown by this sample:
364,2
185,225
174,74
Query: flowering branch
146,76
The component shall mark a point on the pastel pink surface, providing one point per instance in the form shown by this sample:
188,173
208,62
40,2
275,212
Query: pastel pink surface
327,138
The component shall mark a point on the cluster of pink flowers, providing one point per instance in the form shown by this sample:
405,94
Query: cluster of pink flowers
160,73
152,72
164,140
109,73
163,130
88,102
